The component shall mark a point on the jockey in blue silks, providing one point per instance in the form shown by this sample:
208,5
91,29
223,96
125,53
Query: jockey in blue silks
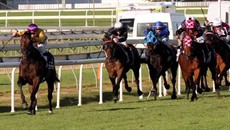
160,31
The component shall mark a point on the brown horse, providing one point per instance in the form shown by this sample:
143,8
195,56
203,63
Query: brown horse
222,50
33,70
191,63
117,66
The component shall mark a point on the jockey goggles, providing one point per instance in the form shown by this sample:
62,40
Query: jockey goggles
158,28
32,32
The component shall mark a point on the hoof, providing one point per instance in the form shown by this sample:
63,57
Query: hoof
167,86
129,89
207,89
115,99
199,90
24,105
173,97
50,112
140,93
31,113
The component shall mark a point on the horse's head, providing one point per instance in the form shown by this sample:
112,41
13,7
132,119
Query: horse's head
26,43
187,46
150,48
108,47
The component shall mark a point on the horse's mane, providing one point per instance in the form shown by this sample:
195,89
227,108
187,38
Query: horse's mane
118,50
31,51
220,46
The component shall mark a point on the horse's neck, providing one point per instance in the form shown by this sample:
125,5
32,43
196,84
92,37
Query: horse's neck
222,49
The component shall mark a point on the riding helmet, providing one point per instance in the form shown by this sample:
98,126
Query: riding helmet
189,23
159,24
32,27
118,25
217,22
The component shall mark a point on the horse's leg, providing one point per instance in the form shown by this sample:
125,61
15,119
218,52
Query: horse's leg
129,89
227,83
50,95
115,89
195,84
33,91
20,83
173,80
167,86
136,74
152,73
223,70
206,89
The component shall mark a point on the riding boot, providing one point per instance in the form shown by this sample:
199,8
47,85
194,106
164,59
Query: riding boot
204,56
127,54
131,57
207,54
46,59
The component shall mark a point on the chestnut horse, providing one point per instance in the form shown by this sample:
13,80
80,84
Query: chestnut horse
117,66
191,61
160,58
33,70
222,50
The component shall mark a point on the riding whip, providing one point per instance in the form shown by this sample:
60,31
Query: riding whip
6,43
203,13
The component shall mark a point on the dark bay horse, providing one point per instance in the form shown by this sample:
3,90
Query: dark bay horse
117,66
191,61
222,50
33,70
160,58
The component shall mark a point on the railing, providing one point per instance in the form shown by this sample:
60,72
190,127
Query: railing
86,15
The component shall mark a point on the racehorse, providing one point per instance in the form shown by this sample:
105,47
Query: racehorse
117,66
33,70
222,50
210,64
160,58
191,61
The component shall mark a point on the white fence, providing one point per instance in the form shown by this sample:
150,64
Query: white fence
59,17
13,64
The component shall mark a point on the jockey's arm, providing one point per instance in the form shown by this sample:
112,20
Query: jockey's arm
41,37
18,34
123,37
178,32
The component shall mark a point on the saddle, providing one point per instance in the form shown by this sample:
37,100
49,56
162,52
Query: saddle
129,54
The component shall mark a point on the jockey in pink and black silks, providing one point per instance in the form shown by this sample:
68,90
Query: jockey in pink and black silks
189,26
38,36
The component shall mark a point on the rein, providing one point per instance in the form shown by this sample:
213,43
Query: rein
6,43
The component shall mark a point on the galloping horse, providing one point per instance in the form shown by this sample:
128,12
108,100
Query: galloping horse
117,66
211,65
191,61
160,58
33,70
222,50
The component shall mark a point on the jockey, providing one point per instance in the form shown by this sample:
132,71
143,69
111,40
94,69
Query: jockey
221,29
38,36
162,33
190,25
119,34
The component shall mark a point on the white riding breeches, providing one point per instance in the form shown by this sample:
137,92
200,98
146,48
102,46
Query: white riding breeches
41,47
